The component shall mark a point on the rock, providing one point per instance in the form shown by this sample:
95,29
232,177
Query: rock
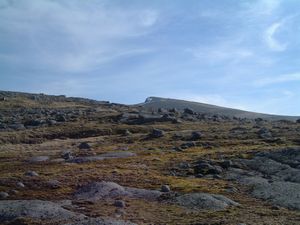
156,133
13,191
177,149
226,164
199,175
127,133
205,168
20,185
188,144
84,145
17,126
34,123
38,159
49,211
54,184
57,160
196,135
231,190
264,133
31,174
67,155
298,121
165,188
204,201
189,111
60,118
120,204
273,176
109,155
51,122
108,190
34,209
3,195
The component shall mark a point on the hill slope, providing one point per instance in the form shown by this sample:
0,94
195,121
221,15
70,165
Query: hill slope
167,103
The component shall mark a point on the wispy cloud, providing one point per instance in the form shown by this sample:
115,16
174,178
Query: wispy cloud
77,37
270,39
223,53
262,7
277,79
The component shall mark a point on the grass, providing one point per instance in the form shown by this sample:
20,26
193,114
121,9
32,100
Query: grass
150,169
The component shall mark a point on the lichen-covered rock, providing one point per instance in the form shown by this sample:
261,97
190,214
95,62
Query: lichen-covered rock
109,190
205,201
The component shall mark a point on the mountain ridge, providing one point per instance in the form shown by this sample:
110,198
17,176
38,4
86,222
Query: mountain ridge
168,103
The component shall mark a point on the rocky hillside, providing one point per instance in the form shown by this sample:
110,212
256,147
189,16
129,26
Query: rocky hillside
78,161
156,103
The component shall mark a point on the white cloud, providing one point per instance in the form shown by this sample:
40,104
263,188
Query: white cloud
271,41
277,79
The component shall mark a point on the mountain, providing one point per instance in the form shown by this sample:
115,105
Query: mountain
168,103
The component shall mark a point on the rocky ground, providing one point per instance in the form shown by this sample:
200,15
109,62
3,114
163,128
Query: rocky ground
79,161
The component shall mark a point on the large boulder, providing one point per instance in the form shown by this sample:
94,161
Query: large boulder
54,213
109,190
205,201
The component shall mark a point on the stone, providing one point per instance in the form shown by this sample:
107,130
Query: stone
84,145
120,204
38,159
272,176
188,144
13,191
3,195
96,191
60,118
156,133
48,211
17,126
205,201
31,174
127,133
165,188
54,184
51,122
177,149
264,133
109,155
20,185
34,123
67,155
226,164
189,111
196,135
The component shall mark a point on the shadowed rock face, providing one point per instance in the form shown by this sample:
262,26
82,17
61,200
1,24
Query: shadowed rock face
274,176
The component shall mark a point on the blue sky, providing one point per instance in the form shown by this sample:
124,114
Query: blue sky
236,53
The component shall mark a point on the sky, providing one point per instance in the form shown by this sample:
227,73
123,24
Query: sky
235,53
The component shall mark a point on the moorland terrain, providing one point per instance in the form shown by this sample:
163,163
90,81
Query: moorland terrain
66,160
